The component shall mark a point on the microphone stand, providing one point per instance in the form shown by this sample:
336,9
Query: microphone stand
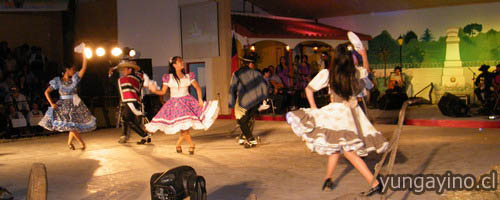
473,83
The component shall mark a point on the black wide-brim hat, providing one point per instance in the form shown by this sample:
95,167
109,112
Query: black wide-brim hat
249,59
484,68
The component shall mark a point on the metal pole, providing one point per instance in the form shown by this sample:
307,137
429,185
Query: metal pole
401,56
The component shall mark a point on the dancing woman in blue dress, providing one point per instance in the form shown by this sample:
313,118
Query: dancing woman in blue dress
69,113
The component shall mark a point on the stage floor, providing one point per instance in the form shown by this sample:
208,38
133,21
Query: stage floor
280,168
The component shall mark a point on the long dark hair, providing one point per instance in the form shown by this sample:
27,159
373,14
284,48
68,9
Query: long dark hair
343,80
280,67
171,68
65,67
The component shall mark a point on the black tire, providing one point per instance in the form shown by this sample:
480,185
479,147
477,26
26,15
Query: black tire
37,184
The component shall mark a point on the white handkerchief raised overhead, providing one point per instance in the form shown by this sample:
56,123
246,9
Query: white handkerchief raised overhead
79,48
354,39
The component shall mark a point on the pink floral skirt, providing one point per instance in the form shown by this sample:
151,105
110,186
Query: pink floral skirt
184,113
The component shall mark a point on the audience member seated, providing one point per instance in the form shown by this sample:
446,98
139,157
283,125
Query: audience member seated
275,81
276,94
396,80
10,63
37,60
28,82
483,84
35,115
17,99
4,121
16,122
373,93
304,76
4,89
395,94
496,79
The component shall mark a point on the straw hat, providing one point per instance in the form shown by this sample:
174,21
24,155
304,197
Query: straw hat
130,64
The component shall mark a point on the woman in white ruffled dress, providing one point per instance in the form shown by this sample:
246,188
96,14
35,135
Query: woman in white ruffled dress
341,126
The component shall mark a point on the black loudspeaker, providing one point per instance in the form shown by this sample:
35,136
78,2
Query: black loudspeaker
392,101
451,105
146,65
177,184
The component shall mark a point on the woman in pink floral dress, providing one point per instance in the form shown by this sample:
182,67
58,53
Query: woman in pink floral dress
182,111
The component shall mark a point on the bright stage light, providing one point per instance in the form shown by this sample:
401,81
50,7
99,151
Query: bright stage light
88,52
252,48
116,51
100,51
287,48
131,53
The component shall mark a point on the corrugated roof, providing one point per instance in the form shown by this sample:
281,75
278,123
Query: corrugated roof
268,27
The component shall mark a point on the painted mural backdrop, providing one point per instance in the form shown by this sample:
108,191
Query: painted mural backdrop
427,50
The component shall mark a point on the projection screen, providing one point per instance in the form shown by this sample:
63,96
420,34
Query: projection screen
199,30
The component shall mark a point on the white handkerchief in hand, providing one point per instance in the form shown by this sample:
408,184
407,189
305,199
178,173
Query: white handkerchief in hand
363,73
264,106
155,85
146,80
79,48
354,39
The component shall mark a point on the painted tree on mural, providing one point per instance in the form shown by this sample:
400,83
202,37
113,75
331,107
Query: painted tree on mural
410,35
412,52
383,44
473,29
481,47
475,46
434,51
427,36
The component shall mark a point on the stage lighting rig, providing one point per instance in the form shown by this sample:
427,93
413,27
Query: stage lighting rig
100,52
88,52
116,52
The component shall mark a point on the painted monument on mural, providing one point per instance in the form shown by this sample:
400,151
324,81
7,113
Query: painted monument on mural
460,51
476,46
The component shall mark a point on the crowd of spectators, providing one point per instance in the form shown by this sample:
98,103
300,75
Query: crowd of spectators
24,75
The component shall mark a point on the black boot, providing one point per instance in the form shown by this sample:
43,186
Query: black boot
376,189
143,141
328,185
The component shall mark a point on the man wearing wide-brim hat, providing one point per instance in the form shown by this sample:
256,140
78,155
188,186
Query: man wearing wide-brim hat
247,90
483,83
130,84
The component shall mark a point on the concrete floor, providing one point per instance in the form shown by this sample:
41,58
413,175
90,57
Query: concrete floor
280,168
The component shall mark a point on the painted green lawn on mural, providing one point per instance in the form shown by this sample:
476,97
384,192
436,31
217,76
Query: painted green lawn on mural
475,45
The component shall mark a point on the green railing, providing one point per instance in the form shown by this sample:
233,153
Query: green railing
434,65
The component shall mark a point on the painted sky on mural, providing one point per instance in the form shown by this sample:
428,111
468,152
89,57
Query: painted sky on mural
438,20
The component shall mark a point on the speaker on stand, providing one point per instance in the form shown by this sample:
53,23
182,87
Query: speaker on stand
453,106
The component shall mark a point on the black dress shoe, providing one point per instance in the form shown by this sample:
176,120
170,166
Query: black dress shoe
143,141
149,140
373,190
328,185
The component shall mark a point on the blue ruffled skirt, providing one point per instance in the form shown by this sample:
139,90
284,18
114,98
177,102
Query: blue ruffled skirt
68,117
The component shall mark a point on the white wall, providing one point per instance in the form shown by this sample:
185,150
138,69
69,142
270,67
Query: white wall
436,19
152,27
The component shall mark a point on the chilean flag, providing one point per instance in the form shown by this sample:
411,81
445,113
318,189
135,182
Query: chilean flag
234,56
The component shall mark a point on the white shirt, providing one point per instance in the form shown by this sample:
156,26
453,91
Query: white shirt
181,88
